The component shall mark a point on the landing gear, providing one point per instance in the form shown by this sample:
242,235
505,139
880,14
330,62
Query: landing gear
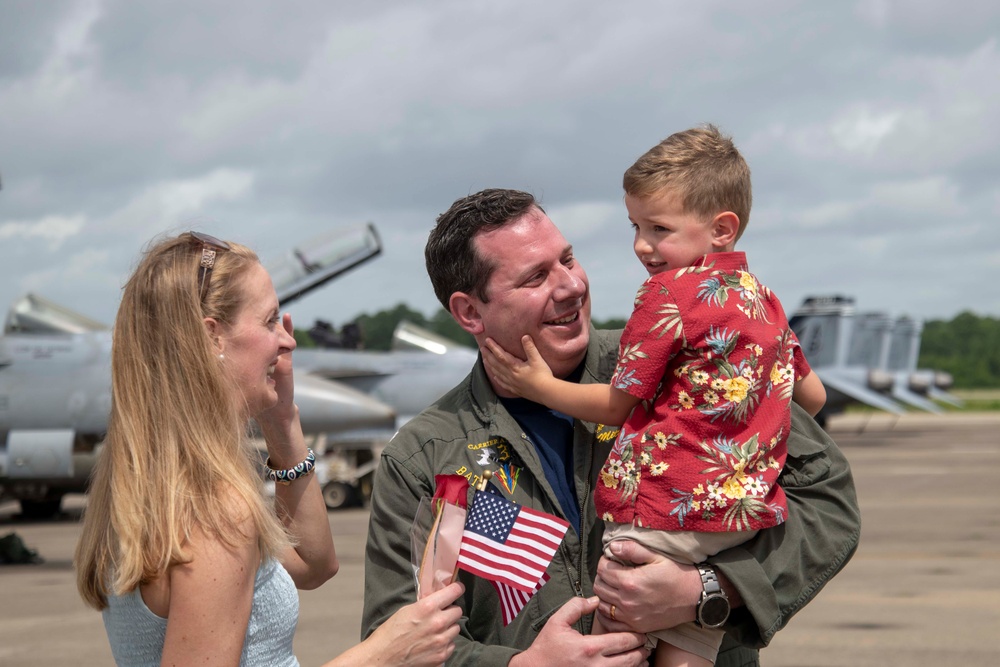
339,495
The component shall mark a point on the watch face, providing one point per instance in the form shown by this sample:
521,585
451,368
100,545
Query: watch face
714,611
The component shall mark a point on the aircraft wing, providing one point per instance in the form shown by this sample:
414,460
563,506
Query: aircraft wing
851,388
916,400
321,259
333,364
933,392
328,407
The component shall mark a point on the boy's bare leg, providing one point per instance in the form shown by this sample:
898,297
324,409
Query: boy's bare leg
667,655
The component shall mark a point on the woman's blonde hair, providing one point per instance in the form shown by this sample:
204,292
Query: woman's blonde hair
177,455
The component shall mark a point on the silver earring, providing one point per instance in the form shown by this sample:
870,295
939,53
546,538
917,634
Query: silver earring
221,357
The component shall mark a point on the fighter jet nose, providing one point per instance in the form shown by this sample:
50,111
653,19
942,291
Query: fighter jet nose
326,406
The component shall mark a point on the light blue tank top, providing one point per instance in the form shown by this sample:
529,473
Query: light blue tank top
136,634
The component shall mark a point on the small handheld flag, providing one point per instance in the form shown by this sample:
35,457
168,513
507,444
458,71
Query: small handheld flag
507,543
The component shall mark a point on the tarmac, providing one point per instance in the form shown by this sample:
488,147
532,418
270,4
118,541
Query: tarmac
923,588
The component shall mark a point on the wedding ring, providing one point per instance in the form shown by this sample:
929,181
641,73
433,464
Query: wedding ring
612,612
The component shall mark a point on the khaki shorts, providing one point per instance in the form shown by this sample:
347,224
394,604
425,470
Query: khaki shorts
689,548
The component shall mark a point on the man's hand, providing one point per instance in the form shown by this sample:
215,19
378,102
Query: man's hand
560,644
652,593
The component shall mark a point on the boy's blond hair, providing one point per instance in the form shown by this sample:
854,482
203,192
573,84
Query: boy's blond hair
702,166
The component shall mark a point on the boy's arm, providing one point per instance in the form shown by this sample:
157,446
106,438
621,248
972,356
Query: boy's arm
810,394
532,379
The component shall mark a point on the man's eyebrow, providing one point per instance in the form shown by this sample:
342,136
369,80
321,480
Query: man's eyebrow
540,265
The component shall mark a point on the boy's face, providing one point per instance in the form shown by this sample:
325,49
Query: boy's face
667,237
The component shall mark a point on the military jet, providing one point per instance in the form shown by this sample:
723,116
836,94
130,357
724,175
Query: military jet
55,381
420,368
913,382
869,358
825,328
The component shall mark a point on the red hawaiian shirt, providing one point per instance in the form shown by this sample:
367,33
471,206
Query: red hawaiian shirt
710,352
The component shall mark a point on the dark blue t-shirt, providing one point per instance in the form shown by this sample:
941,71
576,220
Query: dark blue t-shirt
552,434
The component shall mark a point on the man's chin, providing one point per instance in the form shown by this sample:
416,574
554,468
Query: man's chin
563,355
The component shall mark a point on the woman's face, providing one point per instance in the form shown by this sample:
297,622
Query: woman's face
255,340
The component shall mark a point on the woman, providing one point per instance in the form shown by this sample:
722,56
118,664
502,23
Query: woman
180,550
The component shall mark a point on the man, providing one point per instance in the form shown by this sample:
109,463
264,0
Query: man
503,270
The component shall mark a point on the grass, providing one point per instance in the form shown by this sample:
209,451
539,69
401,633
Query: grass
977,400
974,400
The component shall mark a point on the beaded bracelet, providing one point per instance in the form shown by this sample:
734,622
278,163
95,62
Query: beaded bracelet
286,477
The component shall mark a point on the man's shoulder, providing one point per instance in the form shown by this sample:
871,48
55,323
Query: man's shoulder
602,353
450,418
603,341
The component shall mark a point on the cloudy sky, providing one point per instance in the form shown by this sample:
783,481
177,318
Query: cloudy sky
872,130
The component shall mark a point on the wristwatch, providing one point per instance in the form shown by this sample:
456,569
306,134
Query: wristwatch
713,606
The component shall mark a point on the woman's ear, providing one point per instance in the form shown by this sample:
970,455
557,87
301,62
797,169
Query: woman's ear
725,227
214,330
465,310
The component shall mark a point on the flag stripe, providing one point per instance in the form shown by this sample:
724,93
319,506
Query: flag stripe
554,525
517,578
512,600
526,555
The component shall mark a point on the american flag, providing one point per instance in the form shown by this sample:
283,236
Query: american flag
509,544
513,600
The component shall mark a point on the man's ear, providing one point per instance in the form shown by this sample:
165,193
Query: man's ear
725,227
214,329
465,310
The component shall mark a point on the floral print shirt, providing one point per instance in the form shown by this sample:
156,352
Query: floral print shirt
709,350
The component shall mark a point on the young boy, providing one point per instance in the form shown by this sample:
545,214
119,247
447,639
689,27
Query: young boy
709,355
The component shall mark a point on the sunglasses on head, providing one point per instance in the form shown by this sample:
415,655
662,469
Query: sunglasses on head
210,246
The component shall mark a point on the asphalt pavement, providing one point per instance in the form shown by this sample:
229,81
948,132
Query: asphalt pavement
923,589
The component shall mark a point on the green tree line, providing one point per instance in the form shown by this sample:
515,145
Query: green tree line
377,329
967,346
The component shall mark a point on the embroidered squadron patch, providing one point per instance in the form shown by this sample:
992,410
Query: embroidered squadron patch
605,433
496,452
507,474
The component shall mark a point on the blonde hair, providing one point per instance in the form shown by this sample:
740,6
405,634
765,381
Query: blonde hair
702,166
177,455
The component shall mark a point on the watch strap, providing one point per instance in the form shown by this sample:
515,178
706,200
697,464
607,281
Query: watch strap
709,580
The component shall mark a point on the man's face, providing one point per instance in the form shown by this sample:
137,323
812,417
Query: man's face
538,288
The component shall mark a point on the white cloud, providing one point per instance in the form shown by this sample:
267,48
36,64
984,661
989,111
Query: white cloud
584,219
52,228
829,214
862,129
66,70
933,196
165,204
